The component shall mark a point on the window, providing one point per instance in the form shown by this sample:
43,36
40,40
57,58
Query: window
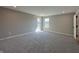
38,29
46,23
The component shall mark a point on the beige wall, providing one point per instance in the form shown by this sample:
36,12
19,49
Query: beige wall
16,22
62,23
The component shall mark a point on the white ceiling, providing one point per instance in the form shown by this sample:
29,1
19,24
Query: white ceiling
45,10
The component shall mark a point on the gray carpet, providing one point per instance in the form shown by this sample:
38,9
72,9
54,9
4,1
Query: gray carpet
43,42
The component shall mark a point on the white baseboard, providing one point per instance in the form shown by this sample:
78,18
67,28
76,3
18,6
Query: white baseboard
32,32
61,33
9,37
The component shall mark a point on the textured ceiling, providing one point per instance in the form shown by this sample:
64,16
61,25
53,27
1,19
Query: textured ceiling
45,10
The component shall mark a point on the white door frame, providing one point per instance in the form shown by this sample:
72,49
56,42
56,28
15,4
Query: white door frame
74,26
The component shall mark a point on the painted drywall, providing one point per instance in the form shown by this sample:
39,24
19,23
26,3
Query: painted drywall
15,22
61,23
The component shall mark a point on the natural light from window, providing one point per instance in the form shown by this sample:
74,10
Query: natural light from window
38,29
46,23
